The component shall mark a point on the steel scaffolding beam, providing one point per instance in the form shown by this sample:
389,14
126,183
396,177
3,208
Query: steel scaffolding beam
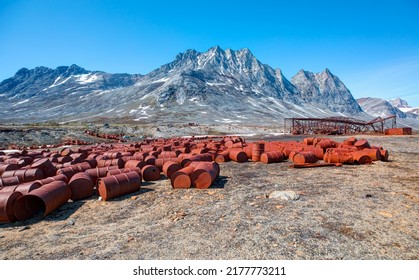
337,125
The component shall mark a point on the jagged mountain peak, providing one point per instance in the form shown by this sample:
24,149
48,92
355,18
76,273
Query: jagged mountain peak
188,54
216,49
325,88
303,74
399,103
327,72
216,81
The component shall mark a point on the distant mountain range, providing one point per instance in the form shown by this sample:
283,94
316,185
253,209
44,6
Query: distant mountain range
216,86
379,107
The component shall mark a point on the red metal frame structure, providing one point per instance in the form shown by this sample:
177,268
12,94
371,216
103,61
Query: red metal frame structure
337,125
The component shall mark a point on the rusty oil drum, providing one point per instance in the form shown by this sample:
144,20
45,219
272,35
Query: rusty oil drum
257,150
181,179
7,201
117,185
42,201
272,157
171,167
81,185
204,174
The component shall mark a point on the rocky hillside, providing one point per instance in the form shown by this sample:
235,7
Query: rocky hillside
216,86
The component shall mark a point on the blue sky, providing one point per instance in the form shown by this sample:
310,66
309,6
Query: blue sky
373,46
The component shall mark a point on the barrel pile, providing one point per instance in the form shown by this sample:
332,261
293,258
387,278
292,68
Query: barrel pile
35,183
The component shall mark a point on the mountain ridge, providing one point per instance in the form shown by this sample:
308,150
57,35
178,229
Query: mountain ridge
224,86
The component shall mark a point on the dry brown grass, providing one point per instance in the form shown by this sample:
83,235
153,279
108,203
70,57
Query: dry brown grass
349,212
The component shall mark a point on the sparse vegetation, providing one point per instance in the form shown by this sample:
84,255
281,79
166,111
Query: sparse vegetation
349,212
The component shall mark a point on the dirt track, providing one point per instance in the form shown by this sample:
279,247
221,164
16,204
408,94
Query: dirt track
349,212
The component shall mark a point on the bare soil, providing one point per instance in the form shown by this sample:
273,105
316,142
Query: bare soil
348,212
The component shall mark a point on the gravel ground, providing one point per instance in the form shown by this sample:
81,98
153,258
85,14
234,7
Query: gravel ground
349,212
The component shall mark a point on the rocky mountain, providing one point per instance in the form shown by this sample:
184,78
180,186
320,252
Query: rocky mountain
216,86
399,103
381,108
403,106
45,81
325,88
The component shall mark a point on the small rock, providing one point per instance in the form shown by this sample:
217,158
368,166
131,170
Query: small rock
284,195
71,222
385,214
368,196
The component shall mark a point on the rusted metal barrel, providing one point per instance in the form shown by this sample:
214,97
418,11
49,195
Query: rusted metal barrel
59,177
42,201
81,185
92,163
135,164
111,162
99,172
66,152
238,156
8,167
171,154
101,157
181,179
62,159
248,151
272,157
373,154
204,174
384,155
304,157
78,157
318,152
73,169
325,144
126,154
308,141
10,181
92,156
7,200
46,166
22,161
171,167
290,151
25,175
123,170
150,160
25,188
161,161
362,144
291,154
112,155
200,157
257,150
118,185
140,155
216,166
224,156
150,173
183,150
350,141
360,157
338,155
